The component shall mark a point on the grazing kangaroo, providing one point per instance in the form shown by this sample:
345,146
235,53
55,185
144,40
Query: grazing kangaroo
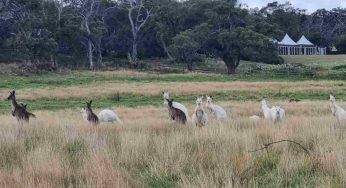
19,110
91,117
175,113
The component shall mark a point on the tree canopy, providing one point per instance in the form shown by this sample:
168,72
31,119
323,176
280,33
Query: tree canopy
90,32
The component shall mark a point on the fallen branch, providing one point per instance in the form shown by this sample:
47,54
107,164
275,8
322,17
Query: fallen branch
280,141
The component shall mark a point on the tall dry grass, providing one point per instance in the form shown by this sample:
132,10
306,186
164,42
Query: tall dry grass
58,149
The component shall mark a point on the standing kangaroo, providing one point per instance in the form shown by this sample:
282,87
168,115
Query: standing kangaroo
19,110
91,117
199,117
175,113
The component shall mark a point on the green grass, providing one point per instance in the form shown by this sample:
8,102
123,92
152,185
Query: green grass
326,62
50,80
53,80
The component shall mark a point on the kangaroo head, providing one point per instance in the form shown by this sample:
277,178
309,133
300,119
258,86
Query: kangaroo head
277,109
89,104
166,96
12,95
263,102
331,98
170,102
199,101
209,99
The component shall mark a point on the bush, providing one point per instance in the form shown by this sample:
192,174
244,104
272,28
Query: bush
341,44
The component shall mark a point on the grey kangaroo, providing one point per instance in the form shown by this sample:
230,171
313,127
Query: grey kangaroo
91,117
19,110
176,114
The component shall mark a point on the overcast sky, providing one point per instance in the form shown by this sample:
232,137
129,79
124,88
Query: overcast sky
310,5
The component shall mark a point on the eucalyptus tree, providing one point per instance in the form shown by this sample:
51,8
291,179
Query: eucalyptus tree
138,15
91,25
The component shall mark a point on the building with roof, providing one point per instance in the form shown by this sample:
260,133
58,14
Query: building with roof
303,47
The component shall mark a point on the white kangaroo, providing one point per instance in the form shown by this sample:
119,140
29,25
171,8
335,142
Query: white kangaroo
337,111
199,117
104,116
274,114
216,110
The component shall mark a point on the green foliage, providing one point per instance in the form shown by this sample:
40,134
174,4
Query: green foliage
317,39
76,153
187,45
243,43
184,48
340,68
267,163
163,181
11,155
187,31
277,14
341,43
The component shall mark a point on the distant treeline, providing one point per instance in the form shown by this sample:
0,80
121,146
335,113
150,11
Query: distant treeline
73,32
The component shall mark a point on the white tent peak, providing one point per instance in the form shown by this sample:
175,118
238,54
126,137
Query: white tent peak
304,41
287,41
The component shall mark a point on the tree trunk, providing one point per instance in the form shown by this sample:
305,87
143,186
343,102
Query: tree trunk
231,67
166,49
90,55
134,53
189,66
99,51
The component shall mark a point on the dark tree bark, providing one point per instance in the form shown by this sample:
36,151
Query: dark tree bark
232,64
189,66
231,68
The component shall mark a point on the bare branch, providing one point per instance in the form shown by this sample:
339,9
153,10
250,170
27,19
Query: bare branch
145,19
280,141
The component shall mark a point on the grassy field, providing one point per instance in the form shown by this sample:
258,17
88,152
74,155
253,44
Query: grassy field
60,149
328,61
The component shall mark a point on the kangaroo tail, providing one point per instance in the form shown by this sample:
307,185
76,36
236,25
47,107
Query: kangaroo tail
119,120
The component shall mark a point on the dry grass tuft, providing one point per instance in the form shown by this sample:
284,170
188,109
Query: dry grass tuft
59,149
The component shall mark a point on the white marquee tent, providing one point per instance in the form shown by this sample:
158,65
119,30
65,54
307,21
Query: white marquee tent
303,47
